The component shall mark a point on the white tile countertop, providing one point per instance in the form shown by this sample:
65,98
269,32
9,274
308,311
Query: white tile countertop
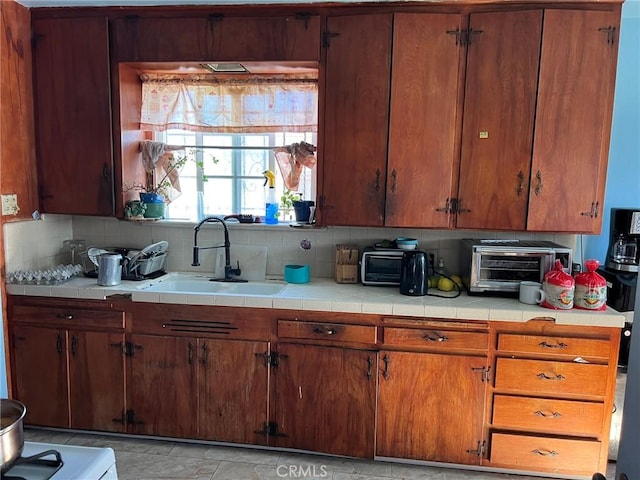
324,294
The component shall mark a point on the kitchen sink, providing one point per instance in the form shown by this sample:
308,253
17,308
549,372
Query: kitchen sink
181,283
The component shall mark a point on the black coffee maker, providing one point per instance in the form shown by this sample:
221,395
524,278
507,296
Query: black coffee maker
621,269
624,243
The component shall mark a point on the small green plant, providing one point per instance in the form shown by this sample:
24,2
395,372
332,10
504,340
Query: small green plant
163,185
287,199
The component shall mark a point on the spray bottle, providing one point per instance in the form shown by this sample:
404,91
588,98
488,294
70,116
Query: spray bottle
271,208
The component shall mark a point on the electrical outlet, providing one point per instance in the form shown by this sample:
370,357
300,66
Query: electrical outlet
432,255
10,204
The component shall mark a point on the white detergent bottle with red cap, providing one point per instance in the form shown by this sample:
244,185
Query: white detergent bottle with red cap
271,204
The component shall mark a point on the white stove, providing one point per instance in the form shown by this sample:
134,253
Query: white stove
78,463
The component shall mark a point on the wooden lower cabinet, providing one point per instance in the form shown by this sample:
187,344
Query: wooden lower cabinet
552,397
530,397
430,406
325,399
233,390
198,388
40,374
162,395
69,378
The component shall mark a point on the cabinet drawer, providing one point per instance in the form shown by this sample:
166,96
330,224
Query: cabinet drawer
327,331
68,317
555,454
547,415
435,338
579,347
544,376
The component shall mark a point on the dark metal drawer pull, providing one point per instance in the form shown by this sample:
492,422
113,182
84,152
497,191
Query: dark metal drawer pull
540,413
550,345
545,453
65,316
435,337
544,376
325,331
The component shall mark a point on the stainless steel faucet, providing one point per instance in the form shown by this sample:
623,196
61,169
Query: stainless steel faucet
230,274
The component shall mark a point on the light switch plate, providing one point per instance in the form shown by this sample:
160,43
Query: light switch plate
10,204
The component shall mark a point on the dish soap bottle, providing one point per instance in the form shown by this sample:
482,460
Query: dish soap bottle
271,206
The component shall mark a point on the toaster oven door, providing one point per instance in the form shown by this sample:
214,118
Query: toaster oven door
503,270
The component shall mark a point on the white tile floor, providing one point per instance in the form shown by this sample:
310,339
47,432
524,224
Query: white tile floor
147,459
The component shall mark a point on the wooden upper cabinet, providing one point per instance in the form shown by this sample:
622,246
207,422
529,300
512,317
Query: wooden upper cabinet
573,126
499,111
73,116
217,38
356,115
425,112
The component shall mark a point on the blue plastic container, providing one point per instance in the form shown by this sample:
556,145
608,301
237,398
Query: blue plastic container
296,273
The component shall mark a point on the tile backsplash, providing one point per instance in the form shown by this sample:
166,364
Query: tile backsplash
39,244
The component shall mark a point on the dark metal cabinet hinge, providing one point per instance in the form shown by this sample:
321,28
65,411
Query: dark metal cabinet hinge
305,17
130,349
131,418
482,447
271,359
486,373
326,38
270,430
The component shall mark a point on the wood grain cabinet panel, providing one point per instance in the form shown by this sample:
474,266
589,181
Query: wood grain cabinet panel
216,38
554,346
70,378
573,119
436,338
356,116
424,118
545,453
552,378
325,399
563,417
68,317
430,407
334,332
232,390
499,112
40,379
73,116
162,377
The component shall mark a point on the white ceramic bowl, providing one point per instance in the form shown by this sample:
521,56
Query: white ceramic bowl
407,246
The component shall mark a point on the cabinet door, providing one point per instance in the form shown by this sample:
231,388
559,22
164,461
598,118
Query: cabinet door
73,116
40,374
233,390
217,38
423,126
325,399
430,407
499,110
356,115
575,103
96,380
162,397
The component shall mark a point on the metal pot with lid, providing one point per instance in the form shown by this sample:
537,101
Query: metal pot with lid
12,414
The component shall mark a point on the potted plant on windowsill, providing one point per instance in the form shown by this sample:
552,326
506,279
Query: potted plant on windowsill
155,194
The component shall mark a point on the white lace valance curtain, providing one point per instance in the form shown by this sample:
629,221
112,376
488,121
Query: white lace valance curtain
202,103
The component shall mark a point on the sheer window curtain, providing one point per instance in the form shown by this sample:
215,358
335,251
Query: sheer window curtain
202,103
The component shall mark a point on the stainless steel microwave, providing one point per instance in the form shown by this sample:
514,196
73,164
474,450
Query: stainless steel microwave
380,266
500,265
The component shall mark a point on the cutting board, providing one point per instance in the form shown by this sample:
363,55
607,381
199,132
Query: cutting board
252,258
